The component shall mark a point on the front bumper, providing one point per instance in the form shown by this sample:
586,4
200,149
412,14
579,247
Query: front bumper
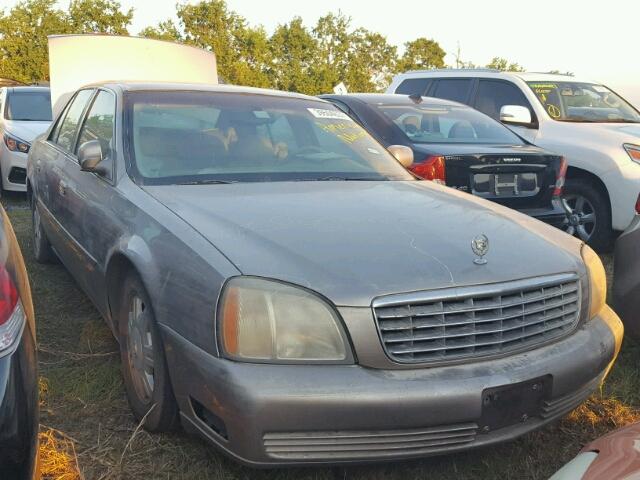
626,279
13,168
268,415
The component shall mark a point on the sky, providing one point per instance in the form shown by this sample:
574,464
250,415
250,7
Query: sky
590,39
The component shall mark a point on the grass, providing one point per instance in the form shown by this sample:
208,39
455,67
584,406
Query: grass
88,432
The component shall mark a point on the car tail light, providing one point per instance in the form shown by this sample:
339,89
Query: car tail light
8,296
431,168
12,316
638,205
560,178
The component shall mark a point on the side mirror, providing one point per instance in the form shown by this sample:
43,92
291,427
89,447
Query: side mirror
515,115
90,155
403,154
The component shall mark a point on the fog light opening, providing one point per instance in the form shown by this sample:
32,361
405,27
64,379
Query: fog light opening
212,421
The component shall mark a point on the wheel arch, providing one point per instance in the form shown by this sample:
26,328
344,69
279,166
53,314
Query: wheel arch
132,256
579,173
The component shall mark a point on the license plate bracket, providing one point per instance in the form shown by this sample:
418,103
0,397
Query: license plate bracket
511,404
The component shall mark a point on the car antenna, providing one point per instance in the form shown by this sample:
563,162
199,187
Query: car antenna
416,98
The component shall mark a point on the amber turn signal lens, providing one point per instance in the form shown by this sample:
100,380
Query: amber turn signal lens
230,319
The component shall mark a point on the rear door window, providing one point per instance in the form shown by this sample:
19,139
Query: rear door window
66,134
493,95
414,86
456,89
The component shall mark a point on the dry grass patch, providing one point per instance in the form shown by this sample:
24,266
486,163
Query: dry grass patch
58,459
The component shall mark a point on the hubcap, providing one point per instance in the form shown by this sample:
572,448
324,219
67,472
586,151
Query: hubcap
140,345
581,222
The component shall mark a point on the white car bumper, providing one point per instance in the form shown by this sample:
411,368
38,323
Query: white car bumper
13,169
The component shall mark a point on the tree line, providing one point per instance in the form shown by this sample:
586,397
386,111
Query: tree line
294,57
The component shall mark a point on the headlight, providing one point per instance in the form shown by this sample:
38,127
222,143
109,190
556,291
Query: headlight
15,144
597,281
633,151
266,320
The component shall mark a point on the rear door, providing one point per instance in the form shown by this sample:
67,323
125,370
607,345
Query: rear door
61,144
456,89
414,86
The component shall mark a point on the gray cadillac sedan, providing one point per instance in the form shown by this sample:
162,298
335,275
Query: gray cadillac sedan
281,285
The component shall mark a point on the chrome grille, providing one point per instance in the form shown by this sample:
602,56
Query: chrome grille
485,320
363,445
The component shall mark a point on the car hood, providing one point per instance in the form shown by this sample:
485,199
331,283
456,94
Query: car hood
632,129
601,134
354,241
26,131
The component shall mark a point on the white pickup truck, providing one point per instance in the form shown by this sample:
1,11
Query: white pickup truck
594,128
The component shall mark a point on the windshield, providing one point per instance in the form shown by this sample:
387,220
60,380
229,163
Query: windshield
28,106
583,102
203,137
424,123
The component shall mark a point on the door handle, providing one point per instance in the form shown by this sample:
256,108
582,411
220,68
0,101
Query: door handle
62,188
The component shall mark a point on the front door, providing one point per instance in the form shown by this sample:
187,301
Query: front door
88,198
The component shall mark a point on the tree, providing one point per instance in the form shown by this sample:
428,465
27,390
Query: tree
23,39
502,64
421,54
372,61
558,72
363,60
99,16
24,30
166,30
460,63
294,53
242,52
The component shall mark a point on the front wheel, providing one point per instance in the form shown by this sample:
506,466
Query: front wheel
589,217
144,366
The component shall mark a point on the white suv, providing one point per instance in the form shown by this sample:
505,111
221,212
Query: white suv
594,128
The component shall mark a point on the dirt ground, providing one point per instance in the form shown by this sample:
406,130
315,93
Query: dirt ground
87,430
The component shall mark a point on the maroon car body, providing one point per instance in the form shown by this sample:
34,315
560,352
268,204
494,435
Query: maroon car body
615,456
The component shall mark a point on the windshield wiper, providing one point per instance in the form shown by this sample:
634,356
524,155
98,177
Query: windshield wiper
207,182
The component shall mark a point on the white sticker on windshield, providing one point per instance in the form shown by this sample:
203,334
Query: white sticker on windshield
601,89
335,114
373,150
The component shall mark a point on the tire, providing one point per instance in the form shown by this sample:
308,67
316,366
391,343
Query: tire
591,218
144,366
42,250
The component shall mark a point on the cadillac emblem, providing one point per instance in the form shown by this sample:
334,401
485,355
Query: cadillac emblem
480,246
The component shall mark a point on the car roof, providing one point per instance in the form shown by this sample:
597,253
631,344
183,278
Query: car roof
393,99
491,73
129,86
